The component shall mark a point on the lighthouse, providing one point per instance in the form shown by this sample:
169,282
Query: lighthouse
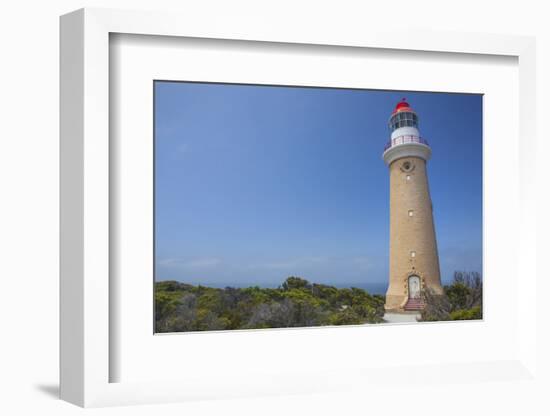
414,261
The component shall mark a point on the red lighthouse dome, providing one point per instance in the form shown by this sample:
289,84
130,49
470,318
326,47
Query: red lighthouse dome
402,105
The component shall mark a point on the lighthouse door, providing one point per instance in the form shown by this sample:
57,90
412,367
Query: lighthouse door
414,287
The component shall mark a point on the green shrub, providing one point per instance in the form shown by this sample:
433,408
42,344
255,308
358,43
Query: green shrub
296,303
466,314
461,300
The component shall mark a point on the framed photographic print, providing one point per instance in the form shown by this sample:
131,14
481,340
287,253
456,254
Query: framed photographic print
258,212
273,207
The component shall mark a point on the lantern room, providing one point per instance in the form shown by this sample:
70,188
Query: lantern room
403,116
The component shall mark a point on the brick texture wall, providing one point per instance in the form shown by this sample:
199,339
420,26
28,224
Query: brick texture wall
411,230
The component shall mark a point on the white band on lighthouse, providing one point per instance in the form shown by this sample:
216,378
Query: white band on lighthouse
407,148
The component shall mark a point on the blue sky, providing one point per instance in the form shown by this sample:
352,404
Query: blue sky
257,183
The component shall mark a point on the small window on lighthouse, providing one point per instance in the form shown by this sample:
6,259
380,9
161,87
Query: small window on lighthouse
411,212
413,253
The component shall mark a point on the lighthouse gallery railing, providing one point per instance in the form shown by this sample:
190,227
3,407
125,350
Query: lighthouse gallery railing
405,139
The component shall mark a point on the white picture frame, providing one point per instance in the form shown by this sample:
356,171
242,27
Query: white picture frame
86,260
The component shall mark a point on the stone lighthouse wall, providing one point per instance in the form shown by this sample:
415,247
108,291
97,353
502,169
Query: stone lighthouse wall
413,247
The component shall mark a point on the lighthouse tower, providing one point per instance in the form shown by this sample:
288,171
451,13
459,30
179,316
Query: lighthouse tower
414,262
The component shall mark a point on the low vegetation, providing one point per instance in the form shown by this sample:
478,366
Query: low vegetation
181,307
462,299
296,303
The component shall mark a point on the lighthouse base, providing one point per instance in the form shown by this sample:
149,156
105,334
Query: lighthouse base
396,303
401,317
